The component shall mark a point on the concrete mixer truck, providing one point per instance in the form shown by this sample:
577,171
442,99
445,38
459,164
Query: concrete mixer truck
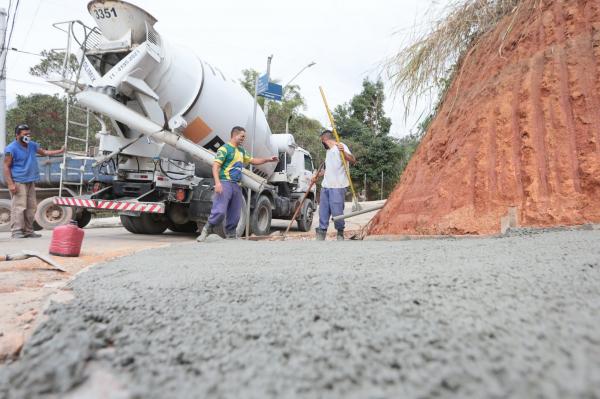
170,111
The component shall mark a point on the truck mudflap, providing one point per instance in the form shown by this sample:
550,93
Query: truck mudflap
109,205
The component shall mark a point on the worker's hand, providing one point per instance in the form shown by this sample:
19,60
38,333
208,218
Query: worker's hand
314,179
340,147
12,188
274,158
218,187
62,149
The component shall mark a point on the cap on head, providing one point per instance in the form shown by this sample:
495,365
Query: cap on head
20,128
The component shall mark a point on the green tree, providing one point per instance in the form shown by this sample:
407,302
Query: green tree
45,115
365,128
364,114
52,64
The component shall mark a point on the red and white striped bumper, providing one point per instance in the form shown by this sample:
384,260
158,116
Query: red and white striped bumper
124,206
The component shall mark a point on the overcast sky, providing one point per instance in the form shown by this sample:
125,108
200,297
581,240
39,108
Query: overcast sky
348,40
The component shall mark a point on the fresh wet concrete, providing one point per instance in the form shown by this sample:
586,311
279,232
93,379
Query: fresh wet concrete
493,317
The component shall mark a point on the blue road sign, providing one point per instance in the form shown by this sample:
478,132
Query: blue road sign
274,92
263,84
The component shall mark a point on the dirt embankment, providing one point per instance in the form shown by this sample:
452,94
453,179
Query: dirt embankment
520,127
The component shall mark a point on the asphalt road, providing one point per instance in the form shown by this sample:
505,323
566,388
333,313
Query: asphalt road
458,318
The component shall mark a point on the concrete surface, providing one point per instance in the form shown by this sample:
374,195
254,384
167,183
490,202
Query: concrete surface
470,318
27,286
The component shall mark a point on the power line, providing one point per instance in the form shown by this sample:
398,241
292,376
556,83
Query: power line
31,25
4,44
12,30
24,52
12,27
31,82
7,15
37,9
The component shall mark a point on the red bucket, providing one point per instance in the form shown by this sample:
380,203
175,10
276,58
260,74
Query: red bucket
66,240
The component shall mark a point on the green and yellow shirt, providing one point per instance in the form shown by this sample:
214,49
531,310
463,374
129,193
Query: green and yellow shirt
232,160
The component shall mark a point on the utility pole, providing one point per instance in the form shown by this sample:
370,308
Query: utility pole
249,192
3,55
266,110
381,195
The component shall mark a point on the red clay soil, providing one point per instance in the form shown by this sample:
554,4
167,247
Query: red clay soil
520,127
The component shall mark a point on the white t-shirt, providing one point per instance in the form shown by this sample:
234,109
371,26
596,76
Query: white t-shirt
335,175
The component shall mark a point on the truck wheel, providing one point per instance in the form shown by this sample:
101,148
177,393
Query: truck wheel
189,227
127,222
305,220
4,215
49,215
260,220
148,223
83,219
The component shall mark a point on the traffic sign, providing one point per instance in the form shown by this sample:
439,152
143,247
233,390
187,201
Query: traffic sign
274,92
263,84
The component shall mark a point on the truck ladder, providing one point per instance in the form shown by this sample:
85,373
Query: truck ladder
77,146
77,119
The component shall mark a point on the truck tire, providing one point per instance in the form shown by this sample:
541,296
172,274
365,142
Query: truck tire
260,219
84,218
146,223
4,215
126,221
49,215
305,220
189,227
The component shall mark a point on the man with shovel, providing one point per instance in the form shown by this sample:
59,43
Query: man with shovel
334,185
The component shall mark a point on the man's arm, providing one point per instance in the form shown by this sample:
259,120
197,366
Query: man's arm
215,172
260,161
349,157
45,153
7,175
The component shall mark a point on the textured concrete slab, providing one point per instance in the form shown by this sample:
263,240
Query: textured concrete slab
490,317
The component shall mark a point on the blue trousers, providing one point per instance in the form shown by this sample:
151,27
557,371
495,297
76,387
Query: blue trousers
331,204
227,205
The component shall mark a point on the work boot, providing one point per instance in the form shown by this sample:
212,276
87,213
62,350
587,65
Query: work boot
206,231
320,234
17,234
231,236
33,234
340,235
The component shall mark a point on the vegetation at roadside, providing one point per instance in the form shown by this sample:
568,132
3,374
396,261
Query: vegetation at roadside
362,124
429,63
45,115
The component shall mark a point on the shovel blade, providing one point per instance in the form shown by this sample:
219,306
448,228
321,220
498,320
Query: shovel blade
44,258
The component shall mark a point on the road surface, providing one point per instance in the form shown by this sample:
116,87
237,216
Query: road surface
459,318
